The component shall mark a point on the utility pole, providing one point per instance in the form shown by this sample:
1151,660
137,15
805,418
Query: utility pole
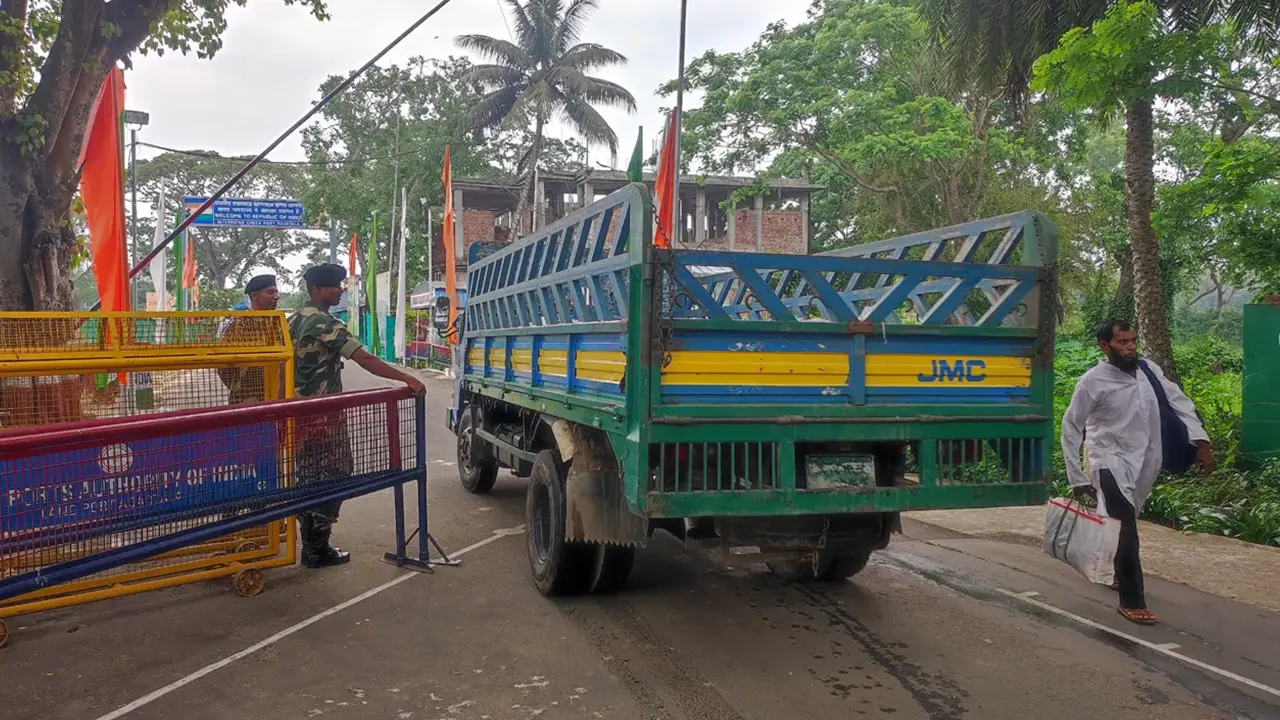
333,242
677,227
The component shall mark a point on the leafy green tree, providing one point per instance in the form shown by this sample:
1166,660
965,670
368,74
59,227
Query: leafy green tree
544,74
857,100
54,57
225,256
999,43
1125,63
388,131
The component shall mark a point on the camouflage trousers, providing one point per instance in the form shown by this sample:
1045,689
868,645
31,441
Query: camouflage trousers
324,457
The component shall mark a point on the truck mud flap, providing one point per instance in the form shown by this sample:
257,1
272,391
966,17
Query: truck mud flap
595,501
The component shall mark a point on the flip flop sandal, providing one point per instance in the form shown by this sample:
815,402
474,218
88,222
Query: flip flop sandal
1115,585
1141,617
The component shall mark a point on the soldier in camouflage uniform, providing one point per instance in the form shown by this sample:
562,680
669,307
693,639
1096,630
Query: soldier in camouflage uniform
247,384
320,343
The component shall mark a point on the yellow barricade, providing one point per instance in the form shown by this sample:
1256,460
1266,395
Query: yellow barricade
58,368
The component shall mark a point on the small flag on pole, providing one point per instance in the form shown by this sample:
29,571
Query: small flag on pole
664,188
635,170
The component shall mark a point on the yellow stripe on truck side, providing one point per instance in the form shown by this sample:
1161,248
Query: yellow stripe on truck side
598,365
948,370
805,369
792,369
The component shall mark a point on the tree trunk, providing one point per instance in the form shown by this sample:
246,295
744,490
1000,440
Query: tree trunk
36,240
1148,287
529,192
1122,302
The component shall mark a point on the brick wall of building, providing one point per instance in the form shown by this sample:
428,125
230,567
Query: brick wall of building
783,232
477,226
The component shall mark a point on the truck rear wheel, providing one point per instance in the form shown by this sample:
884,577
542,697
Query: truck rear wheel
477,467
610,567
559,567
823,566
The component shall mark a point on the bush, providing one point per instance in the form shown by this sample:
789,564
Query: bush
1244,505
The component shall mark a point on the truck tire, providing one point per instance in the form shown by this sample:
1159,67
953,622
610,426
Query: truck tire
843,567
559,567
823,566
610,567
477,467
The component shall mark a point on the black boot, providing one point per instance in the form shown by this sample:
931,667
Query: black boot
317,553
306,523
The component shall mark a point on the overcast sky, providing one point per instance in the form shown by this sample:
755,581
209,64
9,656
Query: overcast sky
275,57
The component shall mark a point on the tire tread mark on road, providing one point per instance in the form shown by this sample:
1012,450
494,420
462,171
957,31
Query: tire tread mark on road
939,697
622,632
615,661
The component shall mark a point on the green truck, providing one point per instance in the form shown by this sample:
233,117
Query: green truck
780,408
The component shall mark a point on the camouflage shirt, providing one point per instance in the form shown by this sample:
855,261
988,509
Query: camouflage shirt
320,342
246,384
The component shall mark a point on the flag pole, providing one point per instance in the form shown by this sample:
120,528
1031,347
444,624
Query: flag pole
401,290
679,127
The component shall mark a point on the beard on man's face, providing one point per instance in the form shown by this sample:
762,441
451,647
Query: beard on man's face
1127,364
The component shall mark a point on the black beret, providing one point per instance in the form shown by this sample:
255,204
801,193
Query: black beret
326,275
261,282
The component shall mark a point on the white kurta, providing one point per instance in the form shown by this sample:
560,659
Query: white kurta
1117,416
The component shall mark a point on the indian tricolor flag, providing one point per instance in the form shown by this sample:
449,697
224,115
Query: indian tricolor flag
190,206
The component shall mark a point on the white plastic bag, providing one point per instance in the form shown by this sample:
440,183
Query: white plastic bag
1084,540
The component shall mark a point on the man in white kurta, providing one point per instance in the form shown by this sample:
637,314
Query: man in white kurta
1116,415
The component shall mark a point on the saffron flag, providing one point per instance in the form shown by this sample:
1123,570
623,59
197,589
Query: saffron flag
450,272
189,268
635,170
102,187
664,188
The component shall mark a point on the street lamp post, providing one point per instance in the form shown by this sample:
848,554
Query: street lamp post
135,119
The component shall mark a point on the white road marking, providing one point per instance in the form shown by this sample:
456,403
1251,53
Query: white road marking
214,667
1164,649
1029,594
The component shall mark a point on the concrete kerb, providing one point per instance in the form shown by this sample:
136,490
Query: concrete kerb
1221,566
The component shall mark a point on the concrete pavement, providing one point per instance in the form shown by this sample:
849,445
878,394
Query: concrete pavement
1221,566
942,625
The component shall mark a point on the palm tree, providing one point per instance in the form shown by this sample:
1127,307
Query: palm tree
544,73
994,43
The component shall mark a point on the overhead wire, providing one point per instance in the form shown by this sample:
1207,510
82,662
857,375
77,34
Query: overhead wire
182,227
209,155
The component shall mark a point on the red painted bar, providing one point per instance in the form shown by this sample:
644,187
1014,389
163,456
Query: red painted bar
15,444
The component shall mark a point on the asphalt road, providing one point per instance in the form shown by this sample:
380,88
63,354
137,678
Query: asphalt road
939,627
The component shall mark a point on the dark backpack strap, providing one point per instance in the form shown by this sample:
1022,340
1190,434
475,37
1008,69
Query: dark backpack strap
1161,396
1179,454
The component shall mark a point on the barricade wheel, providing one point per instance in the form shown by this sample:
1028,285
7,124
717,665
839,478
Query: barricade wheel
249,582
4,634
247,546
